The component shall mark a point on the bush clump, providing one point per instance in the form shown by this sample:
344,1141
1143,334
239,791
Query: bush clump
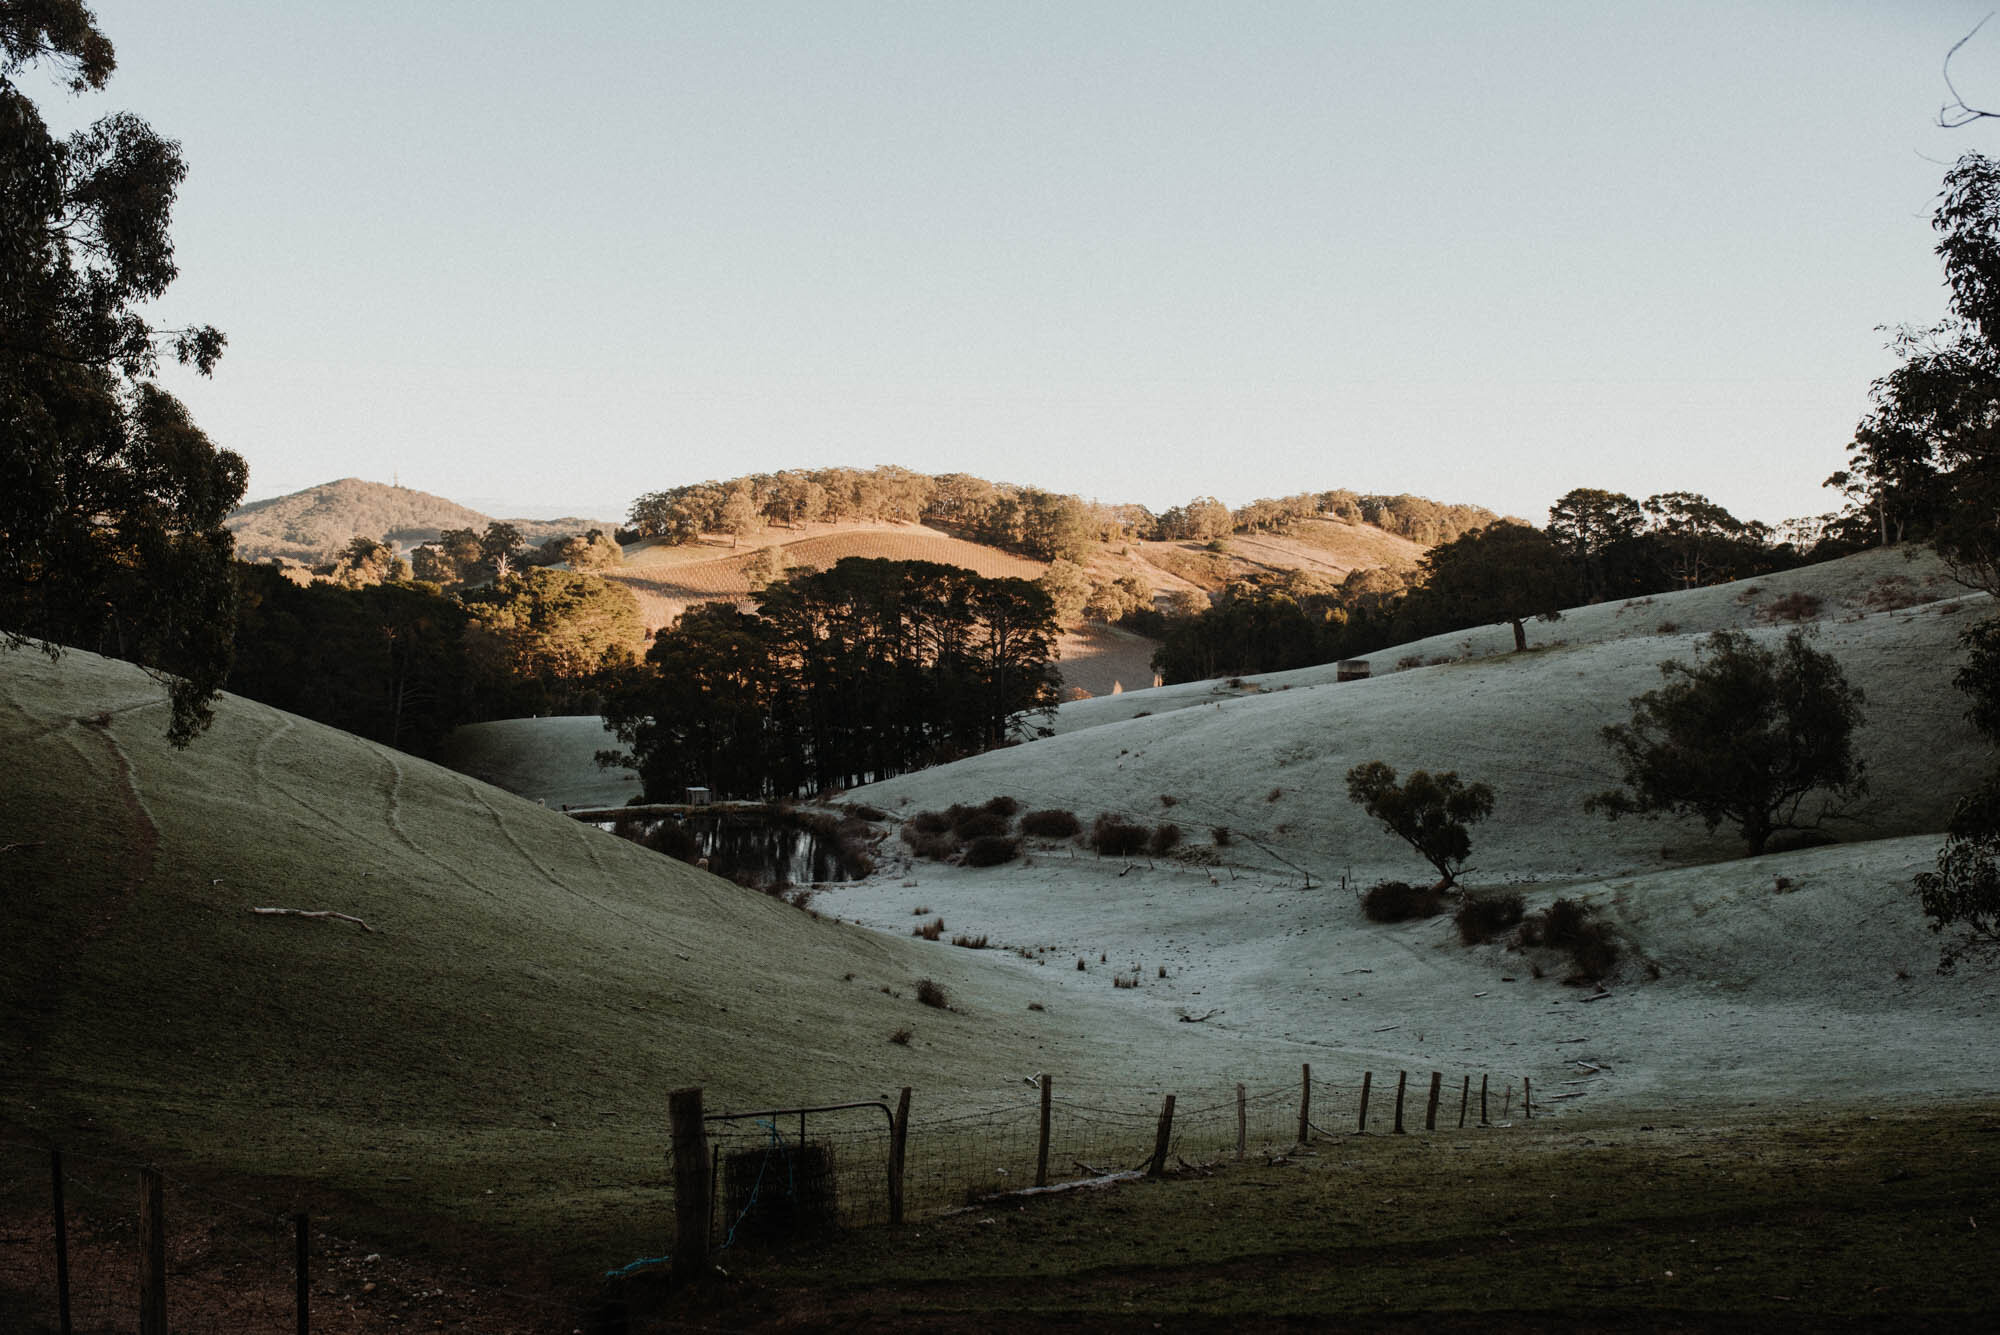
1003,806
928,822
932,993
937,845
1573,926
1166,838
976,822
1114,836
1480,918
1399,901
1051,824
990,850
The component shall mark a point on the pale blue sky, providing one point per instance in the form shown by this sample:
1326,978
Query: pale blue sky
535,255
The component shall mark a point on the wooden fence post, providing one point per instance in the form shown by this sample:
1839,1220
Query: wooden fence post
899,1141
1305,1103
1464,1099
1367,1079
691,1172
304,1273
152,1253
1042,1148
1402,1078
1242,1121
1431,1113
1158,1167
1482,1102
62,1242
1527,1100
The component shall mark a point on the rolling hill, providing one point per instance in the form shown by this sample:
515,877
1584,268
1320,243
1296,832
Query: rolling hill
313,525
496,1048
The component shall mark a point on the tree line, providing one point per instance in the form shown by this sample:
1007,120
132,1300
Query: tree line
1043,524
1599,546
839,677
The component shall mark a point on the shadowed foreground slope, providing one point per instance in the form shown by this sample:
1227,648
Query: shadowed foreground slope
497,1049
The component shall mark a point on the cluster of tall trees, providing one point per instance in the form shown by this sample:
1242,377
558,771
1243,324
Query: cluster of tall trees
111,498
1598,546
1046,525
841,676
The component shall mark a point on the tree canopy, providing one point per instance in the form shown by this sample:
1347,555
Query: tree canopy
1432,813
866,670
1745,735
111,499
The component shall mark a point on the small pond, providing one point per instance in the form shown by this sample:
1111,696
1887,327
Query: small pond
770,848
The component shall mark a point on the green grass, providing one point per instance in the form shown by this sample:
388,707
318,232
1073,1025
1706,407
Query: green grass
1793,1222
496,1052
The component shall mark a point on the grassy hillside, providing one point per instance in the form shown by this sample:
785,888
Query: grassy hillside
314,524
497,1049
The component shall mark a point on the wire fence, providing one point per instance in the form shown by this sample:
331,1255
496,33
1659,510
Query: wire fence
75,1233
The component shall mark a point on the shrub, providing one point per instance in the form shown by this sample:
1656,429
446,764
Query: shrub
901,1037
1114,836
1573,926
1166,837
1398,901
932,994
1122,980
1483,917
1003,806
1169,800
974,823
1219,836
990,850
1795,606
865,812
1050,824
937,846
929,931
929,822
970,942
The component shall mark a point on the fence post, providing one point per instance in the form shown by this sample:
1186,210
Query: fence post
1305,1103
1431,1113
1527,1100
304,1274
690,1141
899,1136
1464,1099
152,1253
1242,1121
1042,1146
1158,1167
1367,1079
62,1242
1402,1078
1483,1121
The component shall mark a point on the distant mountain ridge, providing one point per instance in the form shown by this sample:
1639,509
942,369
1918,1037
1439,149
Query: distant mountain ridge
314,524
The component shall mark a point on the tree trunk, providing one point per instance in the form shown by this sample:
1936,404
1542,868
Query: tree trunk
1520,634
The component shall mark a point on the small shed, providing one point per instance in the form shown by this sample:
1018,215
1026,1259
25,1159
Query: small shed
697,797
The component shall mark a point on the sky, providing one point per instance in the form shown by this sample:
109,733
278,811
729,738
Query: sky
544,258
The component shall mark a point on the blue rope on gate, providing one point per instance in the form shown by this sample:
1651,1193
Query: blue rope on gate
777,1140
639,1264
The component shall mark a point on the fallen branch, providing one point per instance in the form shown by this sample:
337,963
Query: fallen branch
1595,996
1197,1019
315,913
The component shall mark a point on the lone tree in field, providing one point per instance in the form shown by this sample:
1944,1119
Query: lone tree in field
1746,735
1430,812
1964,891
